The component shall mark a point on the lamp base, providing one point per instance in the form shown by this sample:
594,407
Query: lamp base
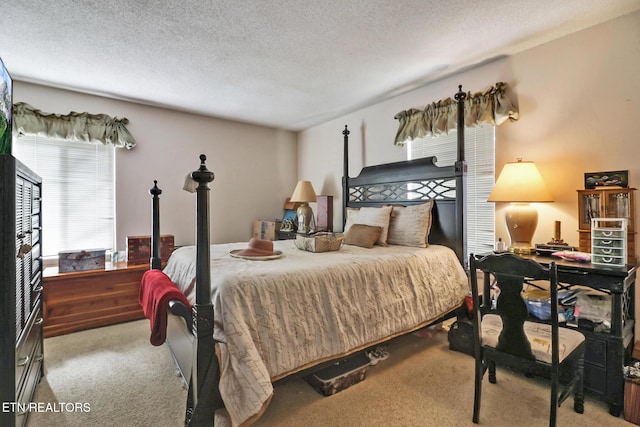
522,220
522,250
306,223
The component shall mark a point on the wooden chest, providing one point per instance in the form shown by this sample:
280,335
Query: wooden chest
90,299
139,248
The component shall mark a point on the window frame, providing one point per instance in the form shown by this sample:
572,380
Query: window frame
480,159
88,185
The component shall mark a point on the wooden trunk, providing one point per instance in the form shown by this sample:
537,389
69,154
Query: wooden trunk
90,299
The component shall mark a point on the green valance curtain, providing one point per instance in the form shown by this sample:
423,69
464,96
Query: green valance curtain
490,106
73,126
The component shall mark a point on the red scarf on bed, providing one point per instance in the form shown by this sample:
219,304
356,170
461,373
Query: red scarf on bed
156,289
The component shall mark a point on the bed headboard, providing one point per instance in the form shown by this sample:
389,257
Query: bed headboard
413,182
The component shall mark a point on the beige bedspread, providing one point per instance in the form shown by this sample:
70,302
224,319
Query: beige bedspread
276,317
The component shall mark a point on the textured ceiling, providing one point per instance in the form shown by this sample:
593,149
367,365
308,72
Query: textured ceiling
282,63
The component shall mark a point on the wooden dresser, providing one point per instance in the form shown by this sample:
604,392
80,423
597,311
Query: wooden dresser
89,299
21,349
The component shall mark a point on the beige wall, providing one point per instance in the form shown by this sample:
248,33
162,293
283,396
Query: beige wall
254,166
579,100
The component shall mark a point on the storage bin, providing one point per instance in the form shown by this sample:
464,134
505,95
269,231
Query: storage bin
340,375
608,252
609,241
607,260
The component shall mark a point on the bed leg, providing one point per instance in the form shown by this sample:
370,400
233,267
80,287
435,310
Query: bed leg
204,393
204,385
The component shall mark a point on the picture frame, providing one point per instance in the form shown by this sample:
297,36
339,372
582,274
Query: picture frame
6,106
594,180
289,220
289,214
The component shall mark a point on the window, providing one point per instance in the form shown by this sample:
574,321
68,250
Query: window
480,157
78,206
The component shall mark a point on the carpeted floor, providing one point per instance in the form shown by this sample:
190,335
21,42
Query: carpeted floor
124,381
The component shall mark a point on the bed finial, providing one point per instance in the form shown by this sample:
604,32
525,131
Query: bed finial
460,96
155,260
155,191
203,175
345,132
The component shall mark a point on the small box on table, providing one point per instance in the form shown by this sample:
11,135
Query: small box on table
139,248
266,230
82,260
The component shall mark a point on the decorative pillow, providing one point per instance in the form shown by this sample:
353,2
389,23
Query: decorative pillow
362,235
410,225
378,217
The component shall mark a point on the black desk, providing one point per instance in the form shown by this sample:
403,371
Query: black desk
605,353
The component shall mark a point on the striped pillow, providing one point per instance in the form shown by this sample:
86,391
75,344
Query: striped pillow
410,225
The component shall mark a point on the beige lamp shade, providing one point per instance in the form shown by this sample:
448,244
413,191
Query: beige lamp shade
520,183
304,193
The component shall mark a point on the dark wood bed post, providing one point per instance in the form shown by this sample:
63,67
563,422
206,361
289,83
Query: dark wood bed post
204,396
156,260
345,175
461,185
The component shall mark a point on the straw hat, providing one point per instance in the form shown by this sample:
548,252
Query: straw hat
258,247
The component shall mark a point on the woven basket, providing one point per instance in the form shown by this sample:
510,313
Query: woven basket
319,242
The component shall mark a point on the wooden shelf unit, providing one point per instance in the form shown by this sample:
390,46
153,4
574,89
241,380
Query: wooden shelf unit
606,203
91,299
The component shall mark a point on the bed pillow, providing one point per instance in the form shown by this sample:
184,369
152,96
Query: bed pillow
362,235
377,217
410,225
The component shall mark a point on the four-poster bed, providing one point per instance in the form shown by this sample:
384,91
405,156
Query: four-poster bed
269,319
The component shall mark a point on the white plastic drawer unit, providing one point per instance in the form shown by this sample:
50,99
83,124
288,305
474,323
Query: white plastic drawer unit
609,241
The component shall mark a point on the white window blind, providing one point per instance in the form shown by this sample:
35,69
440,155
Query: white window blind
78,205
480,157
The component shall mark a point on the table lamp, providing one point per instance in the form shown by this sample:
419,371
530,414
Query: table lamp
520,183
304,194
